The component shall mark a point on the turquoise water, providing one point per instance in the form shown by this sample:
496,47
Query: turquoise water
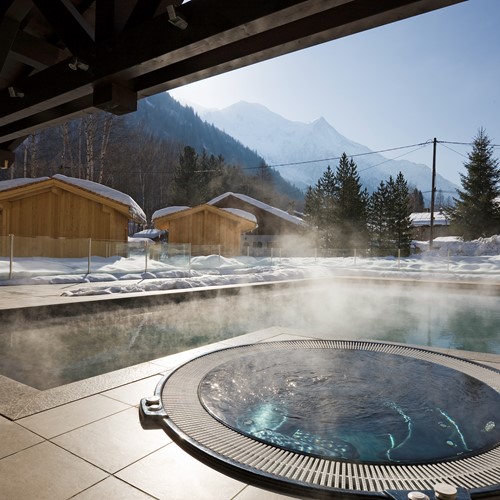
58,350
354,405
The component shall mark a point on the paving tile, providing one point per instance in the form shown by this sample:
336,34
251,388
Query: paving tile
131,394
65,418
15,438
45,472
112,489
252,493
172,473
113,442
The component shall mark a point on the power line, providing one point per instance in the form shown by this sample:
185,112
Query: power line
422,144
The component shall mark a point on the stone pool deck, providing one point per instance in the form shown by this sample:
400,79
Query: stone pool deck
84,440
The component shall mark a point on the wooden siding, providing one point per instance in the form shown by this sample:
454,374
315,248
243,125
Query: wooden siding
51,212
204,227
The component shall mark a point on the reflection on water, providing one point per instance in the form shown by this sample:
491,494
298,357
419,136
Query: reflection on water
53,352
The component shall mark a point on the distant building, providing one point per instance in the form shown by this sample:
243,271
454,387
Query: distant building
421,225
275,227
56,216
204,227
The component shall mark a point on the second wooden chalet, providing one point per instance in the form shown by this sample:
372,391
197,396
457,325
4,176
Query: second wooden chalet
205,227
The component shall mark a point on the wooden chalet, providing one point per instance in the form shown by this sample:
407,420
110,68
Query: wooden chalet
62,216
205,226
275,227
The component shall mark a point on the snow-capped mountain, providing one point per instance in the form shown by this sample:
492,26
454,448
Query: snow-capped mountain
281,141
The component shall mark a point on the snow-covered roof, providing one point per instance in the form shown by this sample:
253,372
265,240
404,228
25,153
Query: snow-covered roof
259,204
241,213
135,210
15,183
424,219
168,211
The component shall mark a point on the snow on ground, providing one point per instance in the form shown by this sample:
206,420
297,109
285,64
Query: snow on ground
450,259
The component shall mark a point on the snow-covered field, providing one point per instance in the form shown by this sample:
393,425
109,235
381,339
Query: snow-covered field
451,259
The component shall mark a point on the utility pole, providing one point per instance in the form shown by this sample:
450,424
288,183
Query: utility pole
433,192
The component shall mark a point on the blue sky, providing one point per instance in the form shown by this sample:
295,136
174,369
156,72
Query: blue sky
434,75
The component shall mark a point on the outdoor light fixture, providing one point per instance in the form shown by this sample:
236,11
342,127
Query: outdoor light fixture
15,92
76,63
176,19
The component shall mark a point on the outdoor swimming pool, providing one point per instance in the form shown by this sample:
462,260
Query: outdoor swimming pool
60,350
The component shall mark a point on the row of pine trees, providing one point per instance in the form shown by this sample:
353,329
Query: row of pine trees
347,217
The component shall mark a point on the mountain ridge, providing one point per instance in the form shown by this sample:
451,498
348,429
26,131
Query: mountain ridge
302,151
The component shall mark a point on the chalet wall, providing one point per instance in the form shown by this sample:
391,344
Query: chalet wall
205,228
55,213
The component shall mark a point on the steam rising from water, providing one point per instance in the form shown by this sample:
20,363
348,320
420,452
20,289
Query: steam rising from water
59,350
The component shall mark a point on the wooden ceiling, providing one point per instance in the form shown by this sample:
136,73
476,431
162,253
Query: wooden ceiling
60,59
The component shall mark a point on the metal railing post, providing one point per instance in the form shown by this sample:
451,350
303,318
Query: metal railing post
89,263
11,255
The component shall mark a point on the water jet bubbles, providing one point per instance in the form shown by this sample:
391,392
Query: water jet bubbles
489,426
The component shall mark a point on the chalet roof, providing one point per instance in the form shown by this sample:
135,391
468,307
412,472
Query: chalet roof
424,219
277,212
163,212
135,211
246,220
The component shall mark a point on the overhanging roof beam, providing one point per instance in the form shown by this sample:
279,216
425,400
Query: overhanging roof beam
8,31
47,118
70,25
35,52
141,12
104,19
343,19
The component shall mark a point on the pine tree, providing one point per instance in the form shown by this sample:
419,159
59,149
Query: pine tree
351,203
399,213
327,190
417,200
477,212
377,219
320,207
187,186
389,217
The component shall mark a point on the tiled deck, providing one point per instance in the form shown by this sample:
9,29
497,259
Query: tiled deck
84,440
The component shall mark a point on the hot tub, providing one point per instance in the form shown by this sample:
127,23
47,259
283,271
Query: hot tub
339,419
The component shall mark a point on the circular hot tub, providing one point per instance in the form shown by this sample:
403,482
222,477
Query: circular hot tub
336,418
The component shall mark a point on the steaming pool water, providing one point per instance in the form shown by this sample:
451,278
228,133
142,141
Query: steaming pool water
58,350
398,414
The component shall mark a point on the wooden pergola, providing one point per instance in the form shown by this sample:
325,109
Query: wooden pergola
60,59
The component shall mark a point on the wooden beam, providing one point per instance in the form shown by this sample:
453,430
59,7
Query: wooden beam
34,52
8,31
142,12
221,35
105,19
115,99
69,24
